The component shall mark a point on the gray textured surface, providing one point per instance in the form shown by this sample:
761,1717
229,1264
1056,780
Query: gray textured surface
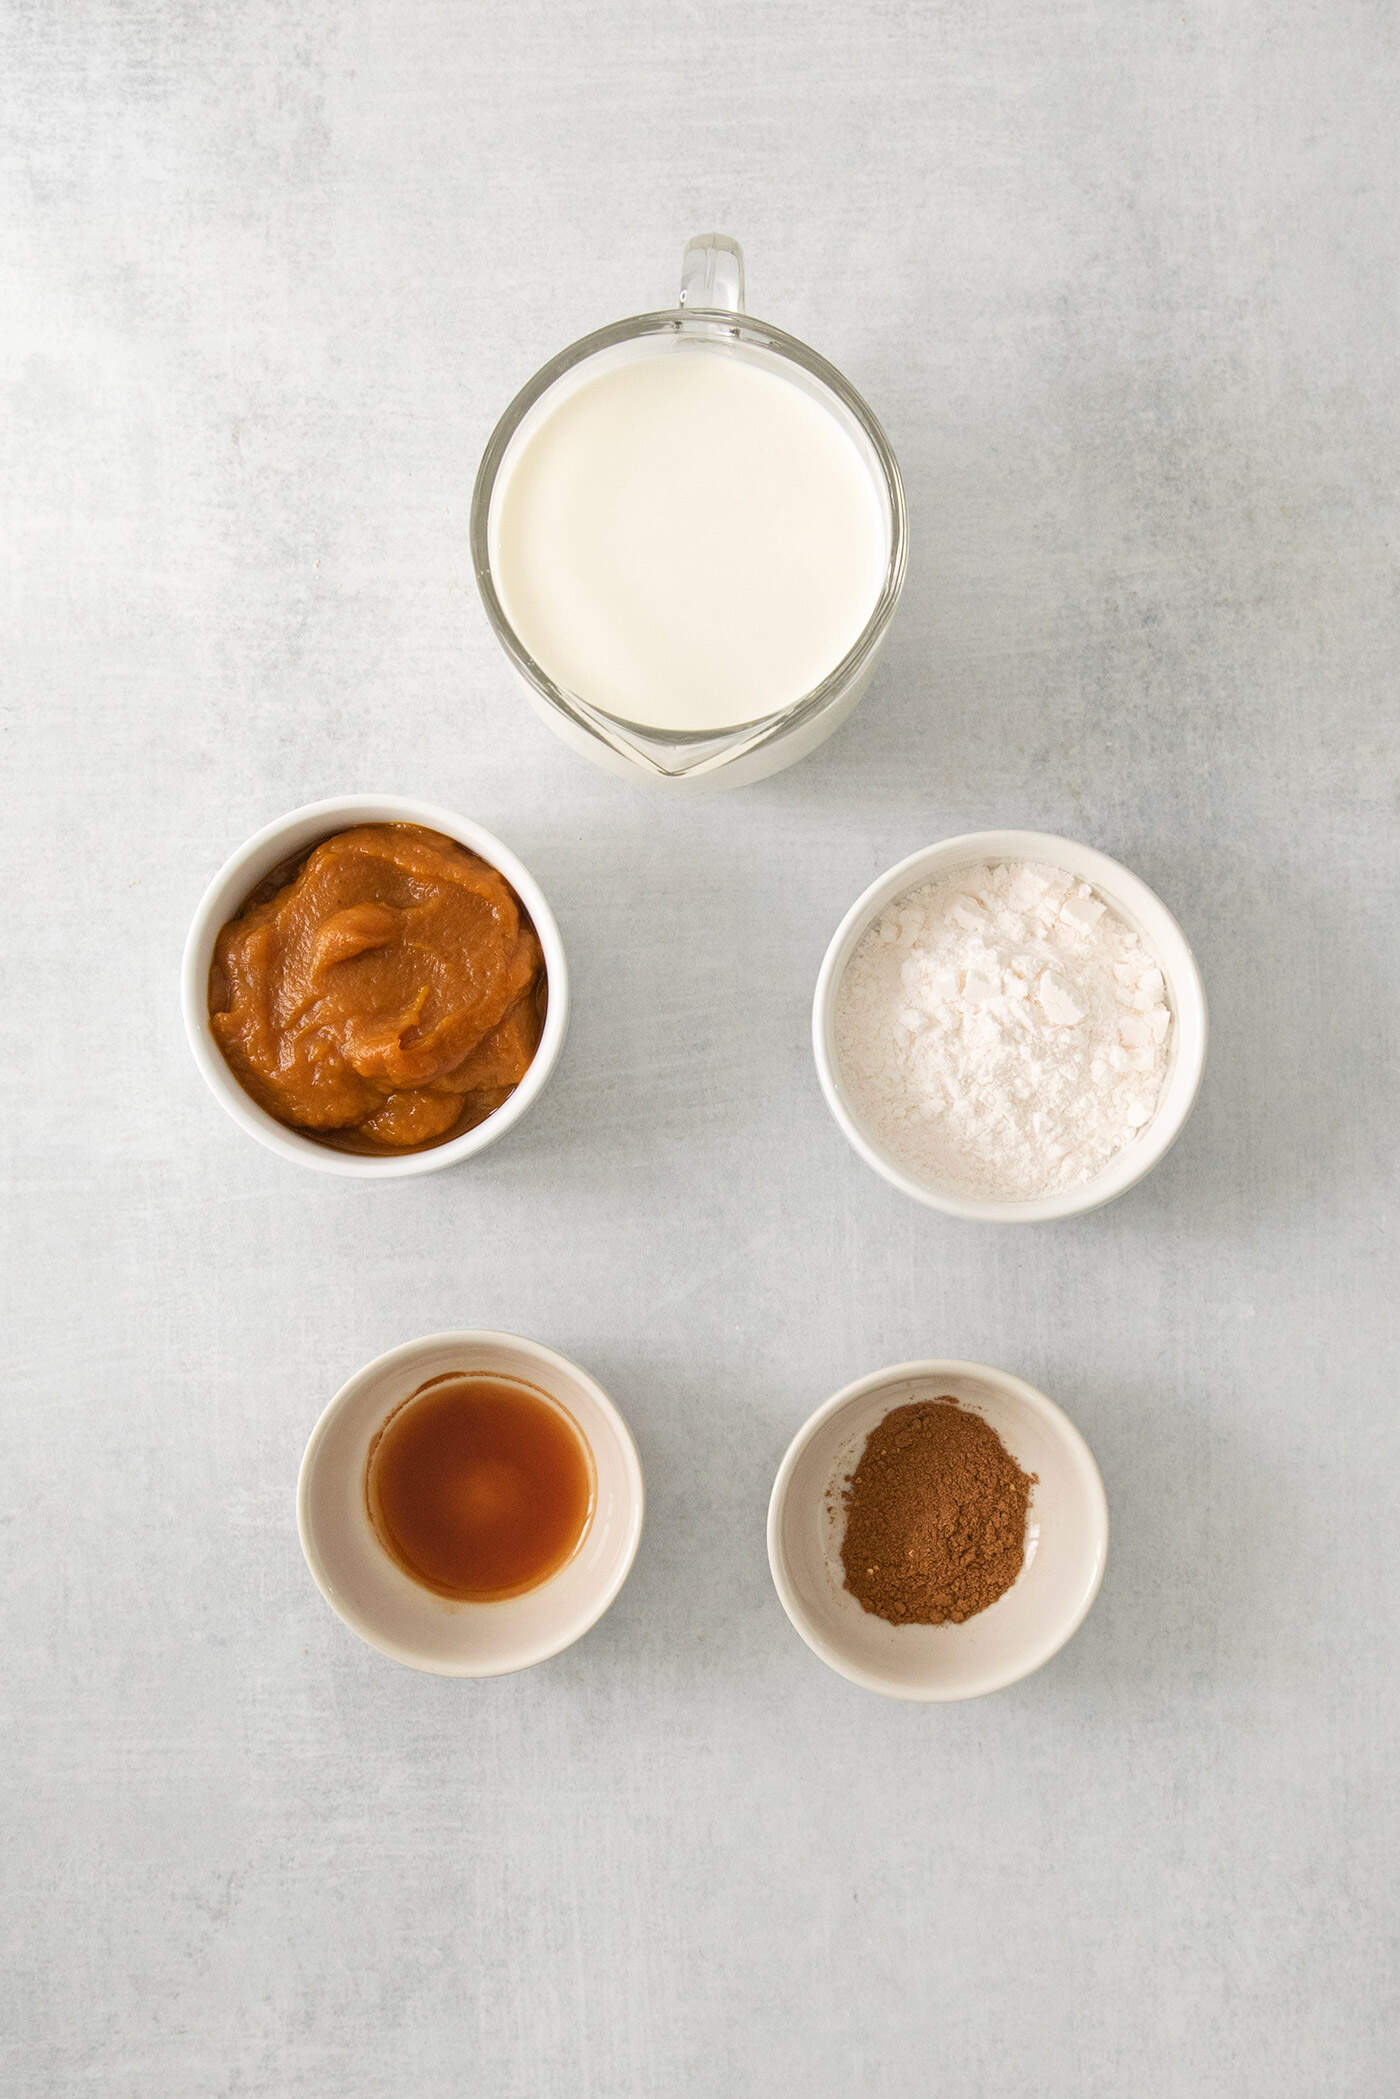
1121,281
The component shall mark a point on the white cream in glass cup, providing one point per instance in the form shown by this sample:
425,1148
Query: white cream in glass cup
689,536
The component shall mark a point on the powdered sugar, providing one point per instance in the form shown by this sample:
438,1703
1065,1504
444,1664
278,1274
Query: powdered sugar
1001,1032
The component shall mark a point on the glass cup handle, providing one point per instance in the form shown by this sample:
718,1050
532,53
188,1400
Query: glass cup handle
712,273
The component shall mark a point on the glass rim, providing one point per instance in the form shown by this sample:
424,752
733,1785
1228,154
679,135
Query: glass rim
617,731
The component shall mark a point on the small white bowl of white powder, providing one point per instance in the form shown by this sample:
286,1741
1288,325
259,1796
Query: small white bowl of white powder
1010,1026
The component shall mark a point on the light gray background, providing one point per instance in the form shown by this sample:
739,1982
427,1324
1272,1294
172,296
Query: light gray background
1120,279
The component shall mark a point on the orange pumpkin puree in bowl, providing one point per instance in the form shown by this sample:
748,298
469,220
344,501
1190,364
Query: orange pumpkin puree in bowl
384,993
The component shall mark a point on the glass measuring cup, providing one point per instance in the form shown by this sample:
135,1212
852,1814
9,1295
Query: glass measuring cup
710,312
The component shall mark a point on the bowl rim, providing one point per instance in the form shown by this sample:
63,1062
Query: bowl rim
1135,901
236,878
1055,1418
540,1356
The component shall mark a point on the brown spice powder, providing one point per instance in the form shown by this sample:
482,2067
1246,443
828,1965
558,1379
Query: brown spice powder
935,1516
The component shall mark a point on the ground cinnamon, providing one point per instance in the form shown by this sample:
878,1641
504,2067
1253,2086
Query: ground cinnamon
935,1516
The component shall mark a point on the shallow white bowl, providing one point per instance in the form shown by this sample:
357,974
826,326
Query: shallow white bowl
229,890
1067,1540
372,1593
1138,906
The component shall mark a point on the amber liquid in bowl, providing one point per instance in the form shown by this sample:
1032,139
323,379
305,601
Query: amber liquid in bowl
479,1487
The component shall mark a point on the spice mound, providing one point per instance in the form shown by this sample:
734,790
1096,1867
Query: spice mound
935,1516
385,995
1002,1032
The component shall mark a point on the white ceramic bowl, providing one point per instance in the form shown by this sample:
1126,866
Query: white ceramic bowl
1139,907
225,896
1067,1540
372,1593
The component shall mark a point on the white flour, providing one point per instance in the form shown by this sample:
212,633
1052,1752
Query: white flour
1001,1032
